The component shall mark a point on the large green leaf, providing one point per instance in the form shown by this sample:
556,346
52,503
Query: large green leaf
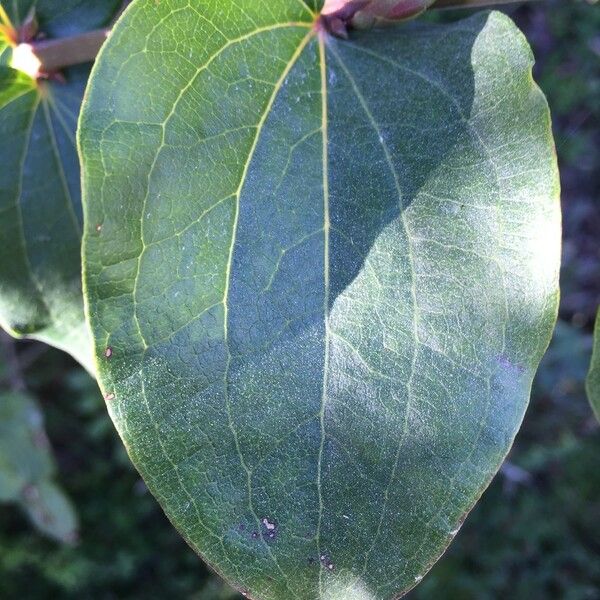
593,379
40,197
320,276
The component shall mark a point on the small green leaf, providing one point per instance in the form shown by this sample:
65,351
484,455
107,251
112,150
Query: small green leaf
593,379
326,273
51,512
25,456
27,469
40,197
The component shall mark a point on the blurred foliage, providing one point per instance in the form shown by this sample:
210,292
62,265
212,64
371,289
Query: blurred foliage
566,39
27,468
592,384
536,531
127,549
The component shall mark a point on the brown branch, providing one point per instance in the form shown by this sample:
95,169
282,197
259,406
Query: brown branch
66,52
57,54
340,15
473,3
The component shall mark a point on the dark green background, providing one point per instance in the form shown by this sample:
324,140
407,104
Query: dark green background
536,532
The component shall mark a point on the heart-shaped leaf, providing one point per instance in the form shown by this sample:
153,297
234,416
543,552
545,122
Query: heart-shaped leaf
320,277
40,228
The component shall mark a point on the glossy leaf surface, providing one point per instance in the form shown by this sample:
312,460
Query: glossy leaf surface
40,196
320,276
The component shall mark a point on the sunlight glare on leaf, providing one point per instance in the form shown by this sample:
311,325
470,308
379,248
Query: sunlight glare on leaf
25,60
347,587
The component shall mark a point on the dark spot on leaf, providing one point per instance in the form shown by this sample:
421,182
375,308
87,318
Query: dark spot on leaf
270,528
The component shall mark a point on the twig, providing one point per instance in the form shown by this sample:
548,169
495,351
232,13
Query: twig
57,54
31,353
473,3
340,15
11,358
66,52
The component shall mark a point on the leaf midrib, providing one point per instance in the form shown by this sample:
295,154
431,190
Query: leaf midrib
327,293
164,124
277,88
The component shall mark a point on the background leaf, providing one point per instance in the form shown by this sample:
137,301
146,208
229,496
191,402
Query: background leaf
27,468
593,379
23,455
325,274
51,512
40,197
65,17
